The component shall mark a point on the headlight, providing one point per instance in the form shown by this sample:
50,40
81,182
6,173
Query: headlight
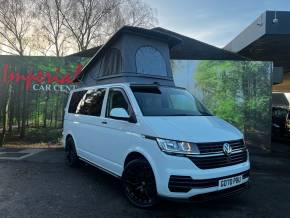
176,147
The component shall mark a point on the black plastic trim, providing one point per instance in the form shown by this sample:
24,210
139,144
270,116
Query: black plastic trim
186,183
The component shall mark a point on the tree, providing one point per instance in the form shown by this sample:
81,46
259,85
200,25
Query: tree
52,27
237,91
15,23
5,111
60,26
84,19
132,13
137,13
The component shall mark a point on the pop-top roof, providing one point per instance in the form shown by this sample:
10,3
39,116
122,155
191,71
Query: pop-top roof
180,47
149,34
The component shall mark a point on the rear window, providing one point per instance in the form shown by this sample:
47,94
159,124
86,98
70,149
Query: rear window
88,102
75,100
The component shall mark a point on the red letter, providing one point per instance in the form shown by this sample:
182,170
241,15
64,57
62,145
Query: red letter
5,71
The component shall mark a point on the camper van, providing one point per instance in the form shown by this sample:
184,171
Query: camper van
156,137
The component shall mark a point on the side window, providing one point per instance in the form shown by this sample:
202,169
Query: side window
116,99
75,100
91,103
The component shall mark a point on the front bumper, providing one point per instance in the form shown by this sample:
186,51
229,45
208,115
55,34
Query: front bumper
186,183
197,181
209,196
226,193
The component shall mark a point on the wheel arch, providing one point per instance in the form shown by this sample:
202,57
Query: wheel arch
133,156
68,136
140,153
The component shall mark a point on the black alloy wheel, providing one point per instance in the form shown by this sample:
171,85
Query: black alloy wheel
72,158
138,183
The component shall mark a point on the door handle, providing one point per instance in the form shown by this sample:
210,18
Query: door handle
104,122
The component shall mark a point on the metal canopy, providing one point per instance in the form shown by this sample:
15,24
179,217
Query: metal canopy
266,39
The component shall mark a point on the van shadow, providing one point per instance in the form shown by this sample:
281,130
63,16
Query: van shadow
111,186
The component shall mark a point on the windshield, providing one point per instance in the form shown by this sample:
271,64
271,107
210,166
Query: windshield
167,101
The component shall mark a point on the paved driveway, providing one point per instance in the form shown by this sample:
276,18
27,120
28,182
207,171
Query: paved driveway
43,186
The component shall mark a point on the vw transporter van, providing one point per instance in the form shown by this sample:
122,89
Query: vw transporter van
159,140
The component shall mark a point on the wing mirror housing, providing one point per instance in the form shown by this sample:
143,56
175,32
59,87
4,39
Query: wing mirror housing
122,114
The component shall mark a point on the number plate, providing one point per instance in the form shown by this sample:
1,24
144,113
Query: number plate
230,182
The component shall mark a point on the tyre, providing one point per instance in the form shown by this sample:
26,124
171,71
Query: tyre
138,183
72,158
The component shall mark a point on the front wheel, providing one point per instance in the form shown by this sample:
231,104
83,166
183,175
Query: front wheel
138,183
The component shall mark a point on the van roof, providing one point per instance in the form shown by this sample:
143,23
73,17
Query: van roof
125,84
158,35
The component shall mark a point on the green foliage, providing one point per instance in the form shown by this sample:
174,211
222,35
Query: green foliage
236,91
43,135
36,135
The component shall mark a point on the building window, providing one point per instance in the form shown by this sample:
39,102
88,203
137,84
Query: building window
150,61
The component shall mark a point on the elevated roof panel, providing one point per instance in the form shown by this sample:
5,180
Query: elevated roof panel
170,40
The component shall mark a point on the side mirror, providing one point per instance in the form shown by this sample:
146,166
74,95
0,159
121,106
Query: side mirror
120,113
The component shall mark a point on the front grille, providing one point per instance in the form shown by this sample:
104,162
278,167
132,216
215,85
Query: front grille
215,147
186,183
210,162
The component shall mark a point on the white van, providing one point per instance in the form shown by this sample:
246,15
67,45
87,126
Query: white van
158,139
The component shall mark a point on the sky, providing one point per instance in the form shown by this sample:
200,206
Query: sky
215,22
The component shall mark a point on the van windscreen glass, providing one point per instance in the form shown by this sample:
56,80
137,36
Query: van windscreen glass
167,101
